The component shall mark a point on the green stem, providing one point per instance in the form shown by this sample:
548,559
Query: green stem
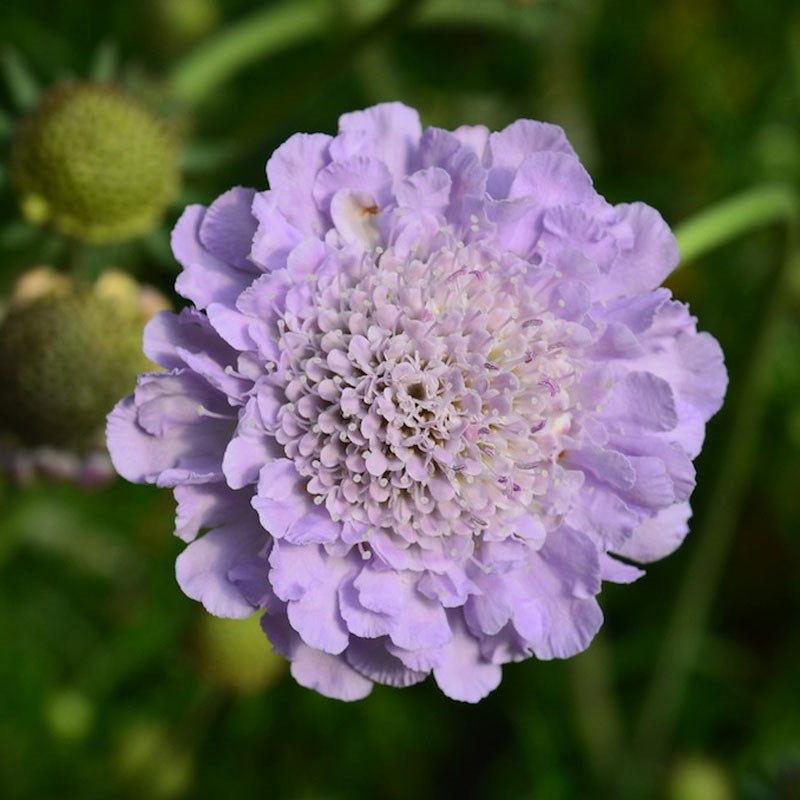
280,27
263,34
684,636
745,212
597,710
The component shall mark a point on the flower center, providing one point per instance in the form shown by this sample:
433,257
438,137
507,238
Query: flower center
428,398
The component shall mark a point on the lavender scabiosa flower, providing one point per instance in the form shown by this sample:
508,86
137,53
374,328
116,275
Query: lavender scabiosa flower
427,391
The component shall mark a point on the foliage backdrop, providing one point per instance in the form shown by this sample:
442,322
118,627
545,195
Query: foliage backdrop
116,685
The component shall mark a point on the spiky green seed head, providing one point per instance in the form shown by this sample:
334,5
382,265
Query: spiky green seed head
94,163
67,354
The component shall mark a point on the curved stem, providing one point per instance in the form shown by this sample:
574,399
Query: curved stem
263,34
745,212
684,636
282,26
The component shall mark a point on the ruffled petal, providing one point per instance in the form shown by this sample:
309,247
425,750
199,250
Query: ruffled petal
329,675
463,674
205,278
286,509
228,226
206,505
292,171
275,236
658,536
652,255
161,435
511,146
373,661
388,132
566,577
203,568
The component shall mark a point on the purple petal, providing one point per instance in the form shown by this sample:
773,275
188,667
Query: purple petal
373,661
427,189
652,256
316,618
389,132
413,622
286,509
203,568
643,401
291,172
275,237
659,536
329,675
653,487
249,450
488,612
228,227
552,179
463,673
511,146
439,148
605,465
187,339
618,572
569,228
161,434
206,505
361,621
639,311
474,138
518,224
251,578
205,278
357,173
308,579
566,576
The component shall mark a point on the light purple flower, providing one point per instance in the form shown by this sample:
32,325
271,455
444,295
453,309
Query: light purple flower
427,390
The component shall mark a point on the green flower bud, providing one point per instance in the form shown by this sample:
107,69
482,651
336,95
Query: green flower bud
95,163
67,354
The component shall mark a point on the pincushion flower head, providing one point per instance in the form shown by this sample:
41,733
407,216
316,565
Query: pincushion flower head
95,163
428,390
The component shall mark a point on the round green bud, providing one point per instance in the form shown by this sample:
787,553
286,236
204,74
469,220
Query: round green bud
67,355
95,163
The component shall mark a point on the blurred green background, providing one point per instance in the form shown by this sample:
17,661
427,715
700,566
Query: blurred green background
113,684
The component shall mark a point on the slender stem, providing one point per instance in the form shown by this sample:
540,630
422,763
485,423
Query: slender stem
745,212
597,709
328,67
260,35
279,27
684,636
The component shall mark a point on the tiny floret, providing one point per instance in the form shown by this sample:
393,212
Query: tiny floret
442,394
